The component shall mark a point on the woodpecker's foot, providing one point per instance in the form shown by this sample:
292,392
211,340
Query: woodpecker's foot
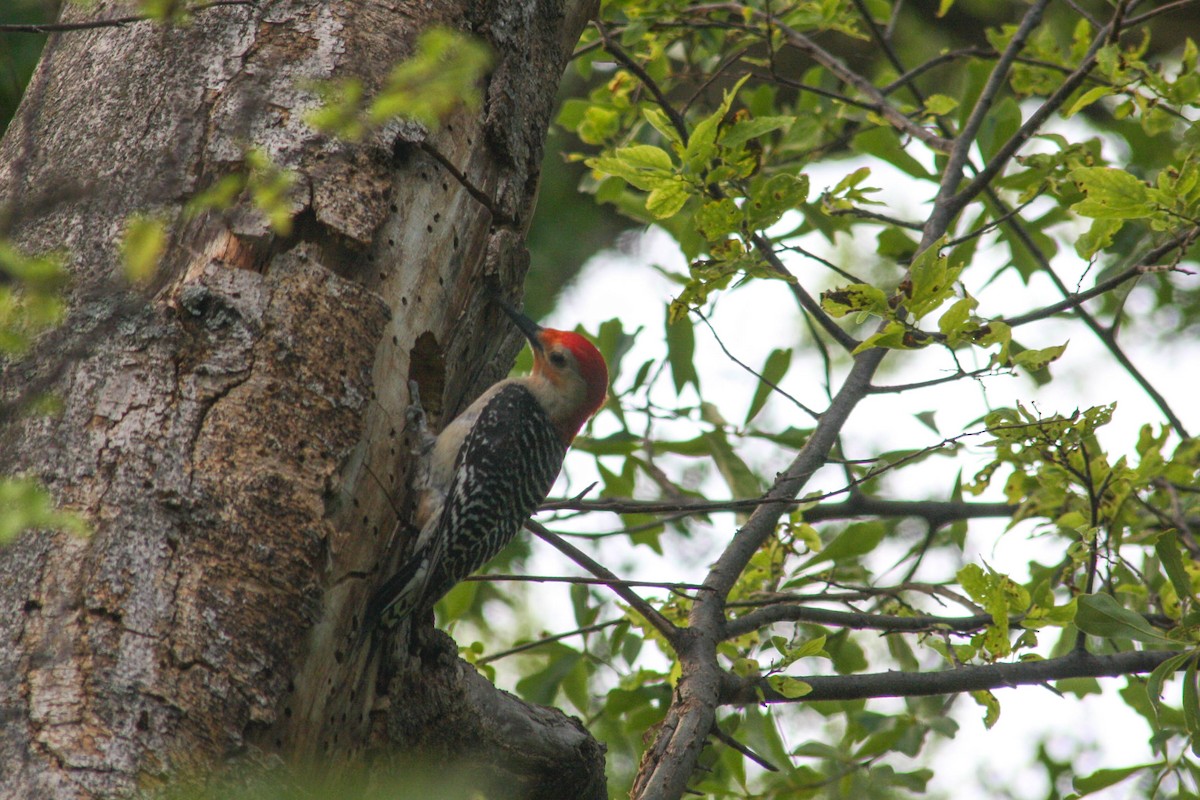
415,413
415,419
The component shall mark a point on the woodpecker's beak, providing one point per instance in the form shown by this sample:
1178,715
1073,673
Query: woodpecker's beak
527,326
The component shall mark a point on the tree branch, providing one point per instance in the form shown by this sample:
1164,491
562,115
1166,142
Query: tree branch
1077,664
1031,126
949,202
1073,301
857,620
937,512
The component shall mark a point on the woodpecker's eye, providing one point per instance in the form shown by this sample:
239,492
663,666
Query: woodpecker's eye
558,359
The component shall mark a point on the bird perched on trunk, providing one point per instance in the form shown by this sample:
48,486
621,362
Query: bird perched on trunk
491,467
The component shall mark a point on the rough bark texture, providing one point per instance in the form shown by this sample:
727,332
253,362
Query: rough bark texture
236,436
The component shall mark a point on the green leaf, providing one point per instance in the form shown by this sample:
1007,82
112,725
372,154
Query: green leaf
790,688
1167,549
1103,778
666,199
662,123
647,157
716,219
740,479
26,505
955,318
1099,236
541,687
270,188
857,539
850,181
939,104
885,144
856,298
220,196
637,165
40,273
932,281
681,352
779,195
1037,359
1001,123
701,145
1101,615
746,129
142,247
927,418
773,371
1080,687
1087,98
1111,194
991,707
443,74
1191,705
341,111
458,601
1159,676
895,336
599,125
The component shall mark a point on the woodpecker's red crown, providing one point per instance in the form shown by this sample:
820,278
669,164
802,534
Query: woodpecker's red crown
570,368
588,363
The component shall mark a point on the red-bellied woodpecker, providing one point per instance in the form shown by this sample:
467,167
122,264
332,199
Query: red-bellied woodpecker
491,467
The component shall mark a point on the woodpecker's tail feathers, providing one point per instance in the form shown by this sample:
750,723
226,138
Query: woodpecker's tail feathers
397,598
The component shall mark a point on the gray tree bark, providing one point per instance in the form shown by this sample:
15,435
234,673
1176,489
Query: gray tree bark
236,436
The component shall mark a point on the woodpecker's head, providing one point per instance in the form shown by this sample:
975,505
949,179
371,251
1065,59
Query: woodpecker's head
569,375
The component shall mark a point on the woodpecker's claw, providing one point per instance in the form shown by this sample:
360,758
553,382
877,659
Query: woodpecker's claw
414,416
415,413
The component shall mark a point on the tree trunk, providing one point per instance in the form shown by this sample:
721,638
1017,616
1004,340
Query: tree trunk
236,435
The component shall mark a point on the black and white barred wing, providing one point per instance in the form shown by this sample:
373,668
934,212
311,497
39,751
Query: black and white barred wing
505,469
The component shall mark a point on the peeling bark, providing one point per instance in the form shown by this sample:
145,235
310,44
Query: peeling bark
236,439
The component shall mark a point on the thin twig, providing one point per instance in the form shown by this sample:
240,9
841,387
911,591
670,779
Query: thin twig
879,103
116,22
677,120
1073,301
774,386
957,376
726,739
847,342
1154,12
649,612
862,213
991,226
491,577
558,637
498,216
